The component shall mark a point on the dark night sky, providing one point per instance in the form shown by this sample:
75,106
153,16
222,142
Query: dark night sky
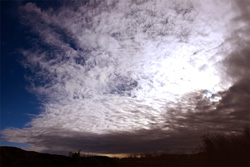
16,102
118,77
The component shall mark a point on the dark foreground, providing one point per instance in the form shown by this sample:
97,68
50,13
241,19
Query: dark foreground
11,156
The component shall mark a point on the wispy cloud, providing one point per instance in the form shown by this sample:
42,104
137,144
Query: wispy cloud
122,77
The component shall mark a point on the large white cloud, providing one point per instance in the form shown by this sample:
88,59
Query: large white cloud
117,66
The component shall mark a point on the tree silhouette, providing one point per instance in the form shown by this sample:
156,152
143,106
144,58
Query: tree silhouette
229,149
75,154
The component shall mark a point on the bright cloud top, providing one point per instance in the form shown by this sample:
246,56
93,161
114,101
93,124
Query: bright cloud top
116,65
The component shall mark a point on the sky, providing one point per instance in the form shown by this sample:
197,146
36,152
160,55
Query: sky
123,77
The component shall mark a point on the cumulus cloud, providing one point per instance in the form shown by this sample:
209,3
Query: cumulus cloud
135,76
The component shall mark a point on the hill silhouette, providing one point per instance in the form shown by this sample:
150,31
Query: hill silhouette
12,156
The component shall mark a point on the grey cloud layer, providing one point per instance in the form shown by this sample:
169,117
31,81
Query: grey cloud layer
183,133
124,77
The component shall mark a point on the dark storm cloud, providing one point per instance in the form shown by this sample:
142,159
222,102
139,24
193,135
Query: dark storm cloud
230,114
238,62
236,101
142,141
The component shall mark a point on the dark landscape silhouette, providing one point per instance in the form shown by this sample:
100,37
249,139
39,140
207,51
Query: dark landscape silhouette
215,150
